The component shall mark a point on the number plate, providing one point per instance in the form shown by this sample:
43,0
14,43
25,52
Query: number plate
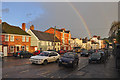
64,63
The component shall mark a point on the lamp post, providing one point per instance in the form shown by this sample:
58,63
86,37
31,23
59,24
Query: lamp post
54,37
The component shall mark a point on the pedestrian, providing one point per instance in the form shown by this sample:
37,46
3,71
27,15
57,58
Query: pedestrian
40,50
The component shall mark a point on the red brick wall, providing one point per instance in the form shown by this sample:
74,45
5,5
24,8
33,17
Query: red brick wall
17,41
59,35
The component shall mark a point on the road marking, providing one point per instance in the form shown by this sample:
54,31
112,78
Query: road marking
24,71
45,72
52,77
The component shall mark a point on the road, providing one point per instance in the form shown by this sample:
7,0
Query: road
22,68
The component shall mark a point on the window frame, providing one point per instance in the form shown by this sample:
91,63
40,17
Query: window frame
6,38
27,39
23,38
12,38
11,48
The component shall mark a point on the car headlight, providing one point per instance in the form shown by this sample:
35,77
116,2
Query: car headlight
98,58
70,62
60,60
40,59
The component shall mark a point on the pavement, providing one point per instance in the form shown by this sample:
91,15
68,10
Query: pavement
22,68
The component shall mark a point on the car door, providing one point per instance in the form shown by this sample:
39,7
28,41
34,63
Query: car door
50,57
55,56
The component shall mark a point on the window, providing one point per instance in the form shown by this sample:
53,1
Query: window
27,39
63,35
11,49
6,37
11,38
69,36
23,48
48,43
23,38
27,48
63,41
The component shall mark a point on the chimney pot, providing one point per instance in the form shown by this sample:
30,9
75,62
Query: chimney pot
0,21
23,26
32,27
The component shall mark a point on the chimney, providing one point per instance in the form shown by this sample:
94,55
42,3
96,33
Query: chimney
63,29
32,27
23,26
0,21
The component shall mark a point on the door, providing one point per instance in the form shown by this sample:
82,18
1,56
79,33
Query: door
17,48
5,51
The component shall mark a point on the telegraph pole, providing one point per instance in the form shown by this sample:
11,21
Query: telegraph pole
54,37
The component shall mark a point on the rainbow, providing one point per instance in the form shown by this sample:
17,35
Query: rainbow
82,19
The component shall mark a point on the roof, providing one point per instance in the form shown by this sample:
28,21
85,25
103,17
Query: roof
9,29
45,36
61,30
73,38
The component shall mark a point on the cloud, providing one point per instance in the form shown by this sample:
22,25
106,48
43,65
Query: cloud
6,10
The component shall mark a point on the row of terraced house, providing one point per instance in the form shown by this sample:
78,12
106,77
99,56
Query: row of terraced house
15,39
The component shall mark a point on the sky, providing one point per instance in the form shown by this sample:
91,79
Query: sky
81,18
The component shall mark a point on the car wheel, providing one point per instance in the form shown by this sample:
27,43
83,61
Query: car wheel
21,56
74,65
89,61
45,62
57,61
59,64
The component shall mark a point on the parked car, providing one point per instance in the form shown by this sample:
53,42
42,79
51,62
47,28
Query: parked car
76,49
36,52
61,51
52,50
23,54
95,57
85,53
70,59
90,51
45,57
1,54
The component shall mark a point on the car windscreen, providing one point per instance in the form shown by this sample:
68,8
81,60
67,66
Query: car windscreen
95,55
20,51
68,55
85,51
43,54
36,51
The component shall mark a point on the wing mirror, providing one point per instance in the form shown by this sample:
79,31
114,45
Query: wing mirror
49,55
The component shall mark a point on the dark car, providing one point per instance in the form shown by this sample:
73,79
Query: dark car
23,54
70,59
85,53
90,51
95,57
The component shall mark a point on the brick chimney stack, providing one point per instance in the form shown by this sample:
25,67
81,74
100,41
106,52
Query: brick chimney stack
32,27
63,29
23,26
0,21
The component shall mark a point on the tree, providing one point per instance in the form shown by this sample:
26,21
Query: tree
118,37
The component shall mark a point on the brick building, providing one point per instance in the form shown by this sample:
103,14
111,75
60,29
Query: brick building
14,39
63,35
